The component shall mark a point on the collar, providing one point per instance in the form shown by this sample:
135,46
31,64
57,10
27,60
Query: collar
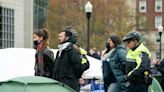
62,47
136,46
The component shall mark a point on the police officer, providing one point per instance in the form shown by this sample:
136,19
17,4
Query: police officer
138,63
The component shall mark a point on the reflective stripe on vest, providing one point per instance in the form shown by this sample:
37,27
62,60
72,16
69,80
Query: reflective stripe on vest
83,52
133,56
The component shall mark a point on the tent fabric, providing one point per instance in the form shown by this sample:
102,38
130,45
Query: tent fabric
95,69
155,86
17,62
33,84
32,79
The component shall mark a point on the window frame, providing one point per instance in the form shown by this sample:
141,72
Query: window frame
157,21
158,3
142,3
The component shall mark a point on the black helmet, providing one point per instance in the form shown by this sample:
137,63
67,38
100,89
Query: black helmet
133,35
74,37
74,33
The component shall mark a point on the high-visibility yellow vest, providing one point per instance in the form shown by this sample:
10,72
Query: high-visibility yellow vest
134,56
83,52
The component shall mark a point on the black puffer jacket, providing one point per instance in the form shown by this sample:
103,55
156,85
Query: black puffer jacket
66,67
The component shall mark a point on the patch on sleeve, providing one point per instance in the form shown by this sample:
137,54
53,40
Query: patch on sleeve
141,55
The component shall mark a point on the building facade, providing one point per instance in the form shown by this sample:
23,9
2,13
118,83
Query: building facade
132,5
6,27
40,13
149,16
18,20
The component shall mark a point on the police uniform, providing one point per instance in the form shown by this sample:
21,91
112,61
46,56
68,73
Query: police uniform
137,65
138,69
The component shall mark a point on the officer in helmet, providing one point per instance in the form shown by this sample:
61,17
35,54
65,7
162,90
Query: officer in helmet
138,63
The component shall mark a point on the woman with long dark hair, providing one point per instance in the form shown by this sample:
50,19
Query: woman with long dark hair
44,57
113,64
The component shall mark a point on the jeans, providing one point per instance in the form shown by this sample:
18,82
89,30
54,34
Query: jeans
116,87
137,88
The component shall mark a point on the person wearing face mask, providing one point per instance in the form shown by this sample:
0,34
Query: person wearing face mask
68,65
106,67
113,64
44,57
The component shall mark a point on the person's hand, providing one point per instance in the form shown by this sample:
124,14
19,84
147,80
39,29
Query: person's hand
81,81
155,61
125,77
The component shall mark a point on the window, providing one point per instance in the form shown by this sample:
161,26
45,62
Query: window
142,22
40,13
158,21
142,6
158,5
7,28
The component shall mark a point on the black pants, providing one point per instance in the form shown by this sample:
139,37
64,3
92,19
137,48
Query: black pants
137,88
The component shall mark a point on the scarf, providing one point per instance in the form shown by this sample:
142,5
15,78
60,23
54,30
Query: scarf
62,47
106,55
40,59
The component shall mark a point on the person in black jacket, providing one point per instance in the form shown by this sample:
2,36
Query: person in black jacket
67,65
44,57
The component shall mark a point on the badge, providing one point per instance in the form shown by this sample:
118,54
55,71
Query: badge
141,55
108,59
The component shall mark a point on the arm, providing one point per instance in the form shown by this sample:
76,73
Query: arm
76,62
122,58
49,63
121,55
160,66
142,65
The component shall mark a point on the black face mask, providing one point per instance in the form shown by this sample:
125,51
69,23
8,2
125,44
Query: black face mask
107,46
35,43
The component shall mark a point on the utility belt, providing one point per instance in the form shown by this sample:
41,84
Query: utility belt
148,78
142,79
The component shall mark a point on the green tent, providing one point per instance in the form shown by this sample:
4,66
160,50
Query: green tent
33,84
155,86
